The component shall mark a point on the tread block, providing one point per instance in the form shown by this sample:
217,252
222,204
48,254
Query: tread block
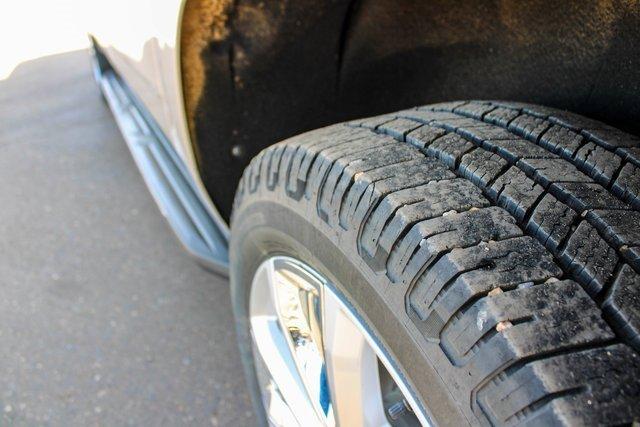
454,124
501,116
623,302
321,165
611,138
532,109
480,132
427,116
583,195
515,192
552,397
373,122
571,120
561,141
399,128
448,197
589,259
528,126
344,169
401,208
463,274
617,227
536,304
481,167
385,210
598,163
531,340
630,154
369,188
551,222
362,181
627,185
337,151
423,136
254,172
297,169
449,148
446,106
273,171
516,149
631,255
548,171
428,239
475,110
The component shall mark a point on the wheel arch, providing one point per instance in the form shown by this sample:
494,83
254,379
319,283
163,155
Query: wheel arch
256,72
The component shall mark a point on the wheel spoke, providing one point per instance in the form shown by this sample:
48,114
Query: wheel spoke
352,369
316,362
296,293
285,385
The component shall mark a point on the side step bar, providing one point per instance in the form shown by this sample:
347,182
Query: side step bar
202,234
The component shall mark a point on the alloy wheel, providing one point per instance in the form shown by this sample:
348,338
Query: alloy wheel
317,362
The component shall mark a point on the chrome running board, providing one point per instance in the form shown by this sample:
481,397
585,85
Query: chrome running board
201,232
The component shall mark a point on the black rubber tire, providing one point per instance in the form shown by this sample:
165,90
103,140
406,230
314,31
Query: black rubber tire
493,247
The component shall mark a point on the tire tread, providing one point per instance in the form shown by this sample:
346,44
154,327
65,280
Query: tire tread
514,230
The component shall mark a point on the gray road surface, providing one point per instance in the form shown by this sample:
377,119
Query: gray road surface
104,319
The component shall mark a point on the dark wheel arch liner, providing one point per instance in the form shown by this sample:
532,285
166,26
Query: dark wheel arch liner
275,69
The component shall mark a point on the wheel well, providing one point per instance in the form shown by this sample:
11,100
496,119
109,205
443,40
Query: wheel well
256,72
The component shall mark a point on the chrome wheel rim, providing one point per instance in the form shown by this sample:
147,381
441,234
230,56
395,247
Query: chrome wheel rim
317,362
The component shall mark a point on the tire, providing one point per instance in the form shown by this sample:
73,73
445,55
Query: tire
493,247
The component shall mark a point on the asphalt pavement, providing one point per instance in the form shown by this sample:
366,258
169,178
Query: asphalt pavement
104,319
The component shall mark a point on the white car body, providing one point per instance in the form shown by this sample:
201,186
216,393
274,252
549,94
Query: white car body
145,50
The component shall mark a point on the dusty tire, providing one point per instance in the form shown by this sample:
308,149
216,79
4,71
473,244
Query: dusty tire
493,247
